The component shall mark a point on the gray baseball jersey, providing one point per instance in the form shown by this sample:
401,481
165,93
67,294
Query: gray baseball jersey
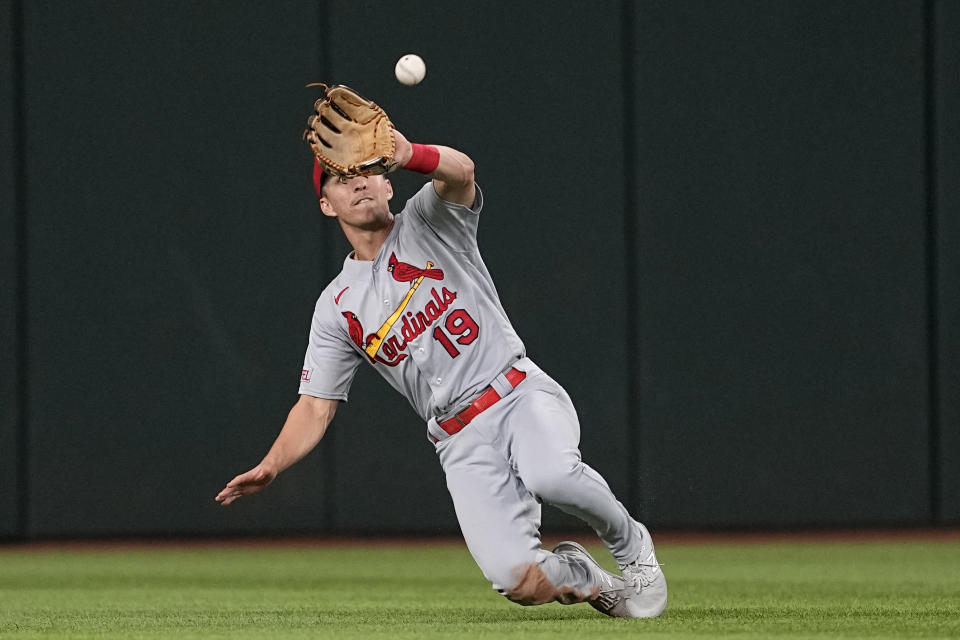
425,313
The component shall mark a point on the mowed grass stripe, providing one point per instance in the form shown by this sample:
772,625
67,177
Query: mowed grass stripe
870,590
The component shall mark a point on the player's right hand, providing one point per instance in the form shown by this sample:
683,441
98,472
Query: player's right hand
246,483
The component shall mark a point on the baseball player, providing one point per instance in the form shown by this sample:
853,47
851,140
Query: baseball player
415,301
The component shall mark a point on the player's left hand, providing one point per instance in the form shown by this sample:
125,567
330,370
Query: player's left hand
403,152
246,483
349,135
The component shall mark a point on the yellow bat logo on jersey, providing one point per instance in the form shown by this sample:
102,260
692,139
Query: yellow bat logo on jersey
373,344
401,272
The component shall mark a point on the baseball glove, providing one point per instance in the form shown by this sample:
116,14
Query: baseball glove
350,135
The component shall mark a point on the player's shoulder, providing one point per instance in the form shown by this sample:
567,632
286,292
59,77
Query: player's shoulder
330,296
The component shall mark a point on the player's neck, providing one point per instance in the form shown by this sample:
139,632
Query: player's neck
366,243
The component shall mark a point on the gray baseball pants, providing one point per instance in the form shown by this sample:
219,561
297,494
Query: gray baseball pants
518,453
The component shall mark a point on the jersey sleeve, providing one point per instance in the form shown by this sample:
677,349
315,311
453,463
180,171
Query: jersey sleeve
455,224
330,362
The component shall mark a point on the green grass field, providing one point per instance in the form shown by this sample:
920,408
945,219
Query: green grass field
891,590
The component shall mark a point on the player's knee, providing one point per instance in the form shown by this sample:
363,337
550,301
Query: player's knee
519,580
501,571
530,586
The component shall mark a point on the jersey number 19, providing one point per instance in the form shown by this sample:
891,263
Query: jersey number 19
460,324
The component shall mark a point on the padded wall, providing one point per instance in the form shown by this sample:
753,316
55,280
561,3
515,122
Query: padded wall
772,237
947,115
782,263
172,241
9,303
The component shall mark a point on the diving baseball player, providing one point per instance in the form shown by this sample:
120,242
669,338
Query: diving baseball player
415,301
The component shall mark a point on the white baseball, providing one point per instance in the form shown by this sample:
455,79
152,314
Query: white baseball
410,69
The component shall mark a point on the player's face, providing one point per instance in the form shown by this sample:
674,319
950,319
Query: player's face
362,202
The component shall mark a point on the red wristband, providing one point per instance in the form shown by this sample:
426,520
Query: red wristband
425,158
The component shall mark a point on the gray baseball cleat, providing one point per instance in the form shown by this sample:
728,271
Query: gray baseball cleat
646,577
616,596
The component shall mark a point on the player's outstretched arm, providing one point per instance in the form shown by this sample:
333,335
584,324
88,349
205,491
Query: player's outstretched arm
453,176
306,423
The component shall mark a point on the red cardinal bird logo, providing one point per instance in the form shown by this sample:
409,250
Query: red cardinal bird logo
356,334
355,328
403,272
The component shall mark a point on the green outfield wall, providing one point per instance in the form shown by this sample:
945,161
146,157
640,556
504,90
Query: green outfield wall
10,419
730,230
945,155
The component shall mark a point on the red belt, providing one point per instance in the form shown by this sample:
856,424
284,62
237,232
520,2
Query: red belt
483,402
